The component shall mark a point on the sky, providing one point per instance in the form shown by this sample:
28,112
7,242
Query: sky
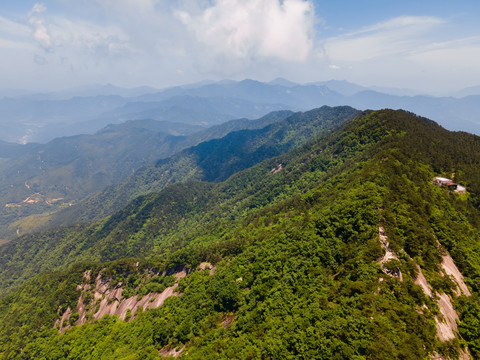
432,46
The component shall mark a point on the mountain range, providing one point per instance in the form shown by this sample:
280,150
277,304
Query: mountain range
318,234
43,117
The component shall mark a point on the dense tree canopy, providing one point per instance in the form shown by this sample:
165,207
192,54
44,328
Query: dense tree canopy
296,255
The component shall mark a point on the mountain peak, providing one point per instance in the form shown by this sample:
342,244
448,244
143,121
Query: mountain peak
282,82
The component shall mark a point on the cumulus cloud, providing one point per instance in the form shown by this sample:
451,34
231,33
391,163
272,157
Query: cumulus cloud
40,32
168,42
254,29
149,41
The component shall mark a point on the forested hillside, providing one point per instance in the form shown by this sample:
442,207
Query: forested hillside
39,179
214,160
337,249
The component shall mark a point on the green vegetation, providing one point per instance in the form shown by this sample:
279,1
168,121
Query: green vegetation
296,254
212,161
68,169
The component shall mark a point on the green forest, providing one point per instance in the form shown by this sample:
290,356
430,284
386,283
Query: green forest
269,247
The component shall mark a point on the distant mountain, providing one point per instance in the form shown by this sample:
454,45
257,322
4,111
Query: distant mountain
40,118
40,178
472,90
195,110
13,150
395,91
89,91
341,86
283,82
454,114
29,117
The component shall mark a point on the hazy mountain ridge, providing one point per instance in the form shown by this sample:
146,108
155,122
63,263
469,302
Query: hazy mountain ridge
42,118
296,255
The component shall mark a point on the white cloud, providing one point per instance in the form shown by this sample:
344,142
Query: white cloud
401,35
40,32
57,33
254,29
18,45
406,24
451,56
166,42
90,38
426,51
148,41
14,35
13,29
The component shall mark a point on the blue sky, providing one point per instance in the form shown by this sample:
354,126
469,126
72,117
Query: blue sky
430,46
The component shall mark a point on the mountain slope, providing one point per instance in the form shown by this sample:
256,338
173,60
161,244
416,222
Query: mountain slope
296,252
238,149
42,178
214,160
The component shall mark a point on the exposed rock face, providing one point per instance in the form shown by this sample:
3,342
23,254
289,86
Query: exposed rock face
63,323
120,307
451,270
110,301
448,327
446,322
105,299
276,169
389,254
169,351
206,265
420,280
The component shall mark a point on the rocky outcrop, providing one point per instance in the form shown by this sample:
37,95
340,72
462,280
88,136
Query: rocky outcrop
169,351
105,299
446,321
389,255
451,270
